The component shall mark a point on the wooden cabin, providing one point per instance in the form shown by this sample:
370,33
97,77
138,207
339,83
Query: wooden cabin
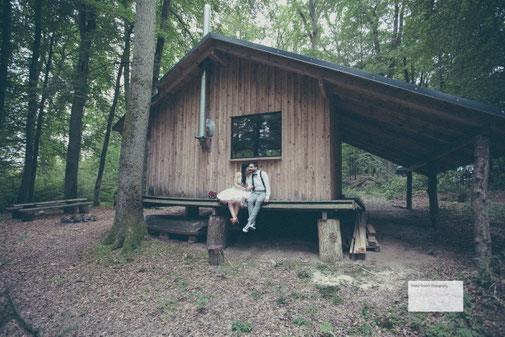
291,113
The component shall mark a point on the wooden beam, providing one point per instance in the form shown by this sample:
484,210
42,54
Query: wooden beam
322,87
441,154
482,234
186,66
378,140
433,197
219,57
400,117
323,205
409,190
403,137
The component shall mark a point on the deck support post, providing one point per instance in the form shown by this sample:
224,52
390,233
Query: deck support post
409,190
216,239
433,197
482,234
330,240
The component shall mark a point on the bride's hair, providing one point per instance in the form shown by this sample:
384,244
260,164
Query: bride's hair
243,171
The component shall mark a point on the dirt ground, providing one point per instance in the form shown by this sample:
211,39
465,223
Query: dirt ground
271,284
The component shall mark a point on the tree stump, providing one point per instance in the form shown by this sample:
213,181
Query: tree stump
216,239
330,240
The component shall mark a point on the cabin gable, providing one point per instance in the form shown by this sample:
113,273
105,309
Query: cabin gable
310,158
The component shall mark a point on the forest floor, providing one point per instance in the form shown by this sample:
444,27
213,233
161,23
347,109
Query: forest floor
63,283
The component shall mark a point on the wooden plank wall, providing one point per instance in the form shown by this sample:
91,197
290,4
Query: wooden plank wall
178,166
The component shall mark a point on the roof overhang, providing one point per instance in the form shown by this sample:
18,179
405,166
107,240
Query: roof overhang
422,129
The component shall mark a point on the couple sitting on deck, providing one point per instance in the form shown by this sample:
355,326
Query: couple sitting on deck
251,187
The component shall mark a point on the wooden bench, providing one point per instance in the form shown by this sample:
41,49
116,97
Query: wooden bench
27,211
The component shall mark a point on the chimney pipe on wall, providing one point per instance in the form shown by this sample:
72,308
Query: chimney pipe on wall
203,87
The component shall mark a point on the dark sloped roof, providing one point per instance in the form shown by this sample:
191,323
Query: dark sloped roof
410,125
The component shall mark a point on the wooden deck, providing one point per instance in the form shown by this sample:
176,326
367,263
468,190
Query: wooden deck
347,204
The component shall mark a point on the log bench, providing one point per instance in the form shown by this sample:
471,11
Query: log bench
330,242
27,211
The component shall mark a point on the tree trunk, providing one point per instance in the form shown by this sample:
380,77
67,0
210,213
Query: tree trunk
482,234
5,54
126,76
40,118
160,43
87,24
33,79
128,228
433,197
103,156
312,27
409,190
390,167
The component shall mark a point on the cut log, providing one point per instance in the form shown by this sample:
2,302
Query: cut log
330,240
216,238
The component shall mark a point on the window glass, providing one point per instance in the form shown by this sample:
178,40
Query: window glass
256,136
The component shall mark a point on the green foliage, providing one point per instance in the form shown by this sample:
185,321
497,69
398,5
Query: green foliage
327,329
241,327
329,293
302,321
8,193
167,304
389,320
436,47
255,295
357,162
202,299
497,174
304,274
366,311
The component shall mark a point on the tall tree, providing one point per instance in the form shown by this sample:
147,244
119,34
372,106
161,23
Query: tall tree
128,228
40,119
87,25
33,79
110,119
312,27
160,43
5,53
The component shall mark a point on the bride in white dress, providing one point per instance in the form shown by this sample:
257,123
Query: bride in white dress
237,195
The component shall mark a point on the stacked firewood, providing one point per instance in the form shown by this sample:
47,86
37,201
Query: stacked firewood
363,238
358,241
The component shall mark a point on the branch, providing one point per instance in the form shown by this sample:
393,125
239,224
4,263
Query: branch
183,25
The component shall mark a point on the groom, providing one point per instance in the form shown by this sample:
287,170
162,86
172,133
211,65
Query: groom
259,185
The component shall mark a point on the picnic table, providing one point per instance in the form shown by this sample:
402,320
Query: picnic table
27,211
